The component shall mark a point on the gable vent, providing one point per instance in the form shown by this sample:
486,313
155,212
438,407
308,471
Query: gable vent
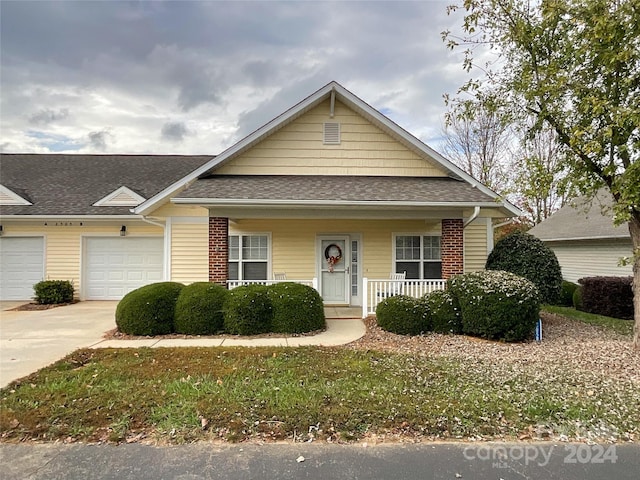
331,133
121,197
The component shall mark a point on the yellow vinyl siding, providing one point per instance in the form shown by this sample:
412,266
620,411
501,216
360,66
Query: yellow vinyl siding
63,244
475,245
294,249
189,252
171,210
297,149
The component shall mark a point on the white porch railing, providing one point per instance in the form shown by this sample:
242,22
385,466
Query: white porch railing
236,283
374,291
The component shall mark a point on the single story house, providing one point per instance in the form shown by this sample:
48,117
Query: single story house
585,240
330,193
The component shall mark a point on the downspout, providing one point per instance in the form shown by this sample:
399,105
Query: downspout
333,103
166,228
474,215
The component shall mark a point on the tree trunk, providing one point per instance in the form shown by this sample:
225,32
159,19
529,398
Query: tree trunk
634,230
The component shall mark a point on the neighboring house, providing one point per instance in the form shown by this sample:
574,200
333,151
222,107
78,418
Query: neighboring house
584,239
330,192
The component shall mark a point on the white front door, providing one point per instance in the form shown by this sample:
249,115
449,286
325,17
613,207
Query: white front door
334,261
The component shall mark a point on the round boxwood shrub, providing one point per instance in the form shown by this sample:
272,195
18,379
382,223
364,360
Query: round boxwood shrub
199,309
528,257
297,308
248,310
402,315
444,312
148,310
567,290
496,305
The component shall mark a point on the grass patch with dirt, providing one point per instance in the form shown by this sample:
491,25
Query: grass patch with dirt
623,327
178,395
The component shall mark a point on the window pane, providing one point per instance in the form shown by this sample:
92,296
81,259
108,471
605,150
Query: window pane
254,247
234,250
407,247
254,271
431,248
233,270
432,270
412,269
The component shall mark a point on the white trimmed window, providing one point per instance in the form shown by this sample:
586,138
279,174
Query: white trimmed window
248,257
418,255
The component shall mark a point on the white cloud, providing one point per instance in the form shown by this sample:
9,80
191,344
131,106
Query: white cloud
113,76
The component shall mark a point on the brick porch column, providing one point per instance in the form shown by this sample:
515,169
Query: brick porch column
219,250
452,247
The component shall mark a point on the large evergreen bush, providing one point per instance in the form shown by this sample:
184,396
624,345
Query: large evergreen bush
496,305
297,308
199,309
528,257
248,310
148,310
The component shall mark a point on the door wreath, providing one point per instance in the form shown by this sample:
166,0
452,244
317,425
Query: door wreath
333,255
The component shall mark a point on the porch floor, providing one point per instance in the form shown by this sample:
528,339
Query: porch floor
342,312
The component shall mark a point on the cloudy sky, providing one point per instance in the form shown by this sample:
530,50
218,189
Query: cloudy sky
195,77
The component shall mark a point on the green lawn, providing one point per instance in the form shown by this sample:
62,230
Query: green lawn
186,394
623,327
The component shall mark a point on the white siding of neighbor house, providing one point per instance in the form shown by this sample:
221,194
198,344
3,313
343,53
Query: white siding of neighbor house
590,258
298,149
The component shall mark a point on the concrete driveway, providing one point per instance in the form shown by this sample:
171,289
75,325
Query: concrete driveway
31,340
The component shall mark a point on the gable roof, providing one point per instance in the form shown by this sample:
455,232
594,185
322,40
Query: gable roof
333,91
9,197
121,197
301,189
72,184
583,219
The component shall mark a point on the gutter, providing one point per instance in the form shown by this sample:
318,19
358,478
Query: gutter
323,203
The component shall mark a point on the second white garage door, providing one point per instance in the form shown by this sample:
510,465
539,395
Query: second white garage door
21,266
114,266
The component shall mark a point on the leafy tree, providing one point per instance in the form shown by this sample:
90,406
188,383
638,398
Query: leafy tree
574,66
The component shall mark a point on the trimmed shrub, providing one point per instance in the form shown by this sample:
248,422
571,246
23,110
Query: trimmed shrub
496,305
248,310
148,310
577,298
610,296
297,308
567,290
402,315
444,312
199,309
53,292
528,257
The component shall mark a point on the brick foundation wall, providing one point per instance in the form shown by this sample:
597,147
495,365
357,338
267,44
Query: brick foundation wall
452,245
219,250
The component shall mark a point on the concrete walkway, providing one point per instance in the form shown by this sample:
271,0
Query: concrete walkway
31,340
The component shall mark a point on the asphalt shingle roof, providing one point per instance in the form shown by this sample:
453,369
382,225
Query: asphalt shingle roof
70,184
340,188
583,219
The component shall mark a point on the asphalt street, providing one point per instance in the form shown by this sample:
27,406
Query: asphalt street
480,461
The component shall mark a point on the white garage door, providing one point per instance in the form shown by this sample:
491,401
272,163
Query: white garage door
115,266
21,266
